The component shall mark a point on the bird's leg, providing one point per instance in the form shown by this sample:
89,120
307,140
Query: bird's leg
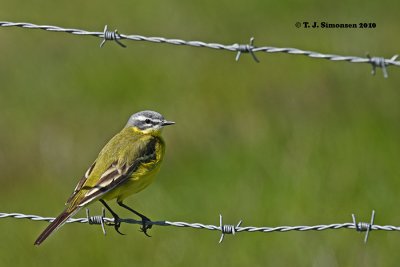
117,220
146,222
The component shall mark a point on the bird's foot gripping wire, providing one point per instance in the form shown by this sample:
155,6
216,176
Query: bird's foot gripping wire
146,225
146,222
117,220
117,224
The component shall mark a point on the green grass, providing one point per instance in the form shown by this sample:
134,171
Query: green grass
289,141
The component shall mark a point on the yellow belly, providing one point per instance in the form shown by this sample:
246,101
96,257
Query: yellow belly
141,178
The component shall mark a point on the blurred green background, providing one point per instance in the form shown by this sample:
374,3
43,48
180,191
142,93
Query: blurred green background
289,141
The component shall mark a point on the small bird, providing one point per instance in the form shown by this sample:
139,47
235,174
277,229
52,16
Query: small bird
126,165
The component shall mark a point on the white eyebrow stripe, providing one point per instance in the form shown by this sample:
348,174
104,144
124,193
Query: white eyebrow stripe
143,118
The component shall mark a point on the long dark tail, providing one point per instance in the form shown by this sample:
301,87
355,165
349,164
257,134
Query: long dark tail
57,223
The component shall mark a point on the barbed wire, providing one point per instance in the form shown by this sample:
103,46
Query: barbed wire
222,228
106,35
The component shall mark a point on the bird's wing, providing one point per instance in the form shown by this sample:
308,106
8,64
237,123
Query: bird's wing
81,183
118,172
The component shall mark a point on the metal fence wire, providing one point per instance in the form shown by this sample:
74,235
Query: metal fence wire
366,227
250,48
239,49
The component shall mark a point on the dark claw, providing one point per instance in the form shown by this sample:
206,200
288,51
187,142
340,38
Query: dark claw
146,222
146,225
117,220
116,227
117,224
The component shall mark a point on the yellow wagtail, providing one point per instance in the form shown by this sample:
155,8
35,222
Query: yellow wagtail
126,165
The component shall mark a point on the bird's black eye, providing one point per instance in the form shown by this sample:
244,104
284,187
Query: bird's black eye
148,121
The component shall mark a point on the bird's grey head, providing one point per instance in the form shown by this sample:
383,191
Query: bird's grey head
148,121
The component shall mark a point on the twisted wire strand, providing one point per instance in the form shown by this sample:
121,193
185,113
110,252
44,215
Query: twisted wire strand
238,48
222,228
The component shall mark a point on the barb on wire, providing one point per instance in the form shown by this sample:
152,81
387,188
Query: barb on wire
247,48
109,35
99,219
381,63
239,49
222,228
363,226
227,228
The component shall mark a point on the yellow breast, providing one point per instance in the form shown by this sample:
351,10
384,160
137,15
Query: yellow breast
142,177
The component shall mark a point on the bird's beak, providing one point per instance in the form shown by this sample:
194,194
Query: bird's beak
165,123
